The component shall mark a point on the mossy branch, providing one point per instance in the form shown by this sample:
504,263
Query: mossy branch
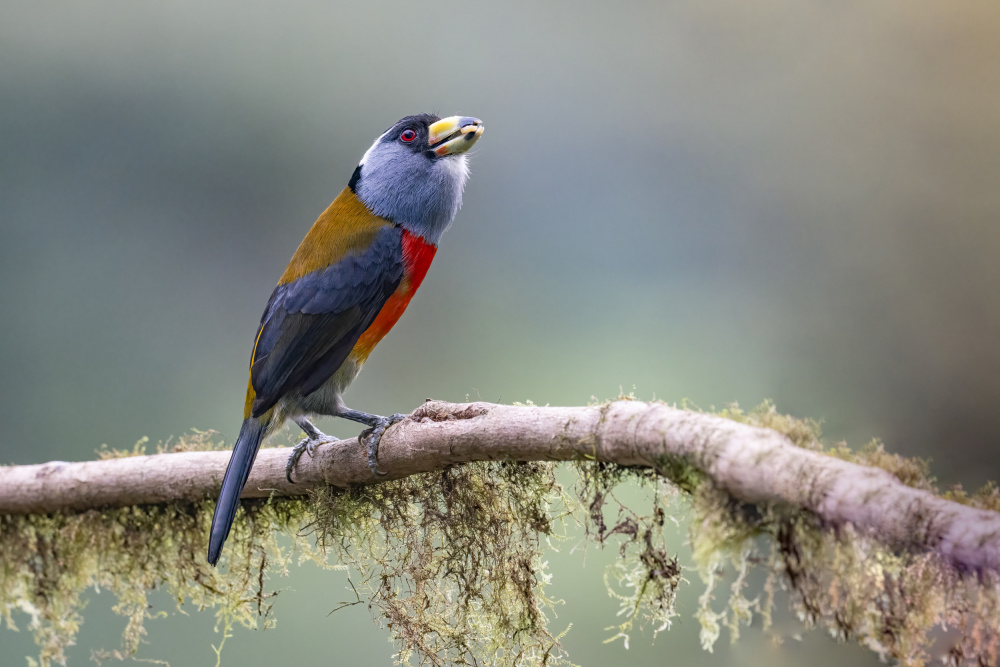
450,546
752,464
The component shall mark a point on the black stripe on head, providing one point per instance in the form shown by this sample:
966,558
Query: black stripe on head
352,184
420,120
419,124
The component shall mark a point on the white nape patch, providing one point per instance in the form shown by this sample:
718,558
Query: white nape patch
372,147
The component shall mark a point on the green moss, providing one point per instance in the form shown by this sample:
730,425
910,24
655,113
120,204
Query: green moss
803,433
680,471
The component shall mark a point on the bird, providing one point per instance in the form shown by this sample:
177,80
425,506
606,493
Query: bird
345,287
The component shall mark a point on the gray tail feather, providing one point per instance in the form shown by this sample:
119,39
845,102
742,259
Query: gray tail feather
244,453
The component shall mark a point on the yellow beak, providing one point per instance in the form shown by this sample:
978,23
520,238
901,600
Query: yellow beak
453,135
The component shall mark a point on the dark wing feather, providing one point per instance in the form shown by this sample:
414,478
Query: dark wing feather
311,324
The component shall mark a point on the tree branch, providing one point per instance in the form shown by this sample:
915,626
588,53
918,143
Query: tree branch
754,465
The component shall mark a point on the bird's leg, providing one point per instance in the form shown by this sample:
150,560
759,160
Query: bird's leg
377,426
314,437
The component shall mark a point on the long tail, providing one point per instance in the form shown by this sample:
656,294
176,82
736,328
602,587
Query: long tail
244,453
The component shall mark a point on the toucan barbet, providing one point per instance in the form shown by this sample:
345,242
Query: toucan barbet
346,286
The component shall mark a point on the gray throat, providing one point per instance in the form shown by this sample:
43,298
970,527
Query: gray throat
422,200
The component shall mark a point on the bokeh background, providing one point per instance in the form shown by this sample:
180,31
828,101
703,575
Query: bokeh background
710,200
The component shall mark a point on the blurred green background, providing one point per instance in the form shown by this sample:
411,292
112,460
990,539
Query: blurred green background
710,200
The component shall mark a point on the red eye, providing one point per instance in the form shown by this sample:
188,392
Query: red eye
408,135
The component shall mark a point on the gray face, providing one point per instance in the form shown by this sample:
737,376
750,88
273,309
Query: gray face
401,179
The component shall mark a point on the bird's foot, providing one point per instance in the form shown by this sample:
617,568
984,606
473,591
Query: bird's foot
375,433
308,446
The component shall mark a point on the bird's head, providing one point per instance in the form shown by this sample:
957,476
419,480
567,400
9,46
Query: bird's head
415,172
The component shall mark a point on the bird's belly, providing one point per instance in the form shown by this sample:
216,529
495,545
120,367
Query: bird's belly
326,399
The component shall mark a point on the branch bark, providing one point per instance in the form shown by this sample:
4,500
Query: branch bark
754,465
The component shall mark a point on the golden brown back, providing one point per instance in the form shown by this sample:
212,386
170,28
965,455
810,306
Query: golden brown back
346,226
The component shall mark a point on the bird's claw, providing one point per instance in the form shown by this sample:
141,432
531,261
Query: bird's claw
374,435
307,445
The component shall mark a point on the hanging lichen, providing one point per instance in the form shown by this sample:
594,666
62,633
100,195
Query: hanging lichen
453,559
887,599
